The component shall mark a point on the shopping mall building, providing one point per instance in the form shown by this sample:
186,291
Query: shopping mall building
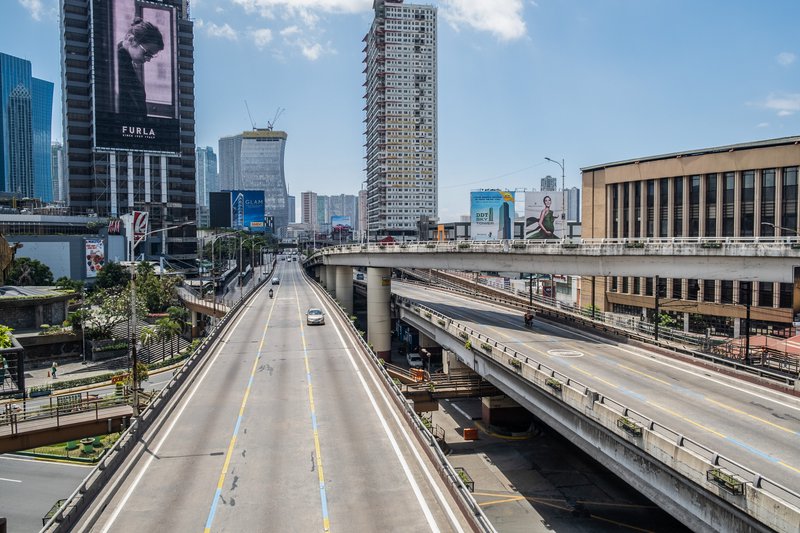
742,190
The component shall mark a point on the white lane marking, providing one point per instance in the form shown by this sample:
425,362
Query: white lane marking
565,353
738,387
10,480
42,462
177,417
390,435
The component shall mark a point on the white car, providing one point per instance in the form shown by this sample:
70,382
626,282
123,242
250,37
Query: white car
315,316
414,360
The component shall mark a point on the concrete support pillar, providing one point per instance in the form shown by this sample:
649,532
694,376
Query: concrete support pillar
323,276
502,411
330,280
686,322
379,321
193,315
344,287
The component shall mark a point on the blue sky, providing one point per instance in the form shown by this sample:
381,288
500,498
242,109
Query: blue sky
590,81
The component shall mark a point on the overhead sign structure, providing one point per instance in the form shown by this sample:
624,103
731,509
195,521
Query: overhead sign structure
136,106
491,215
544,215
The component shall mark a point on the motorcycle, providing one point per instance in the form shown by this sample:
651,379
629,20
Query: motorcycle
528,317
270,293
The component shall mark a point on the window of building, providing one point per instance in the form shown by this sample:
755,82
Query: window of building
726,291
637,210
768,202
786,294
708,290
692,289
615,211
747,220
677,212
694,206
789,207
728,191
651,197
677,288
711,205
663,207
765,294
626,209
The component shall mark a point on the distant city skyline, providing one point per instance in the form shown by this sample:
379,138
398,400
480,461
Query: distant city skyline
588,82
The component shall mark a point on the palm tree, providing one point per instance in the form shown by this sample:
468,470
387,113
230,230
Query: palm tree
168,329
148,335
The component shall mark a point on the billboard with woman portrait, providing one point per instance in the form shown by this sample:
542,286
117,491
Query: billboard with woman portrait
134,45
544,215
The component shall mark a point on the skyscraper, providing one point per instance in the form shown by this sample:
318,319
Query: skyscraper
308,209
290,202
549,183
129,117
401,108
253,161
206,169
57,171
26,109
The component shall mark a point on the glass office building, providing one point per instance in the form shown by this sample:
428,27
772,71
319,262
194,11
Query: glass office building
26,110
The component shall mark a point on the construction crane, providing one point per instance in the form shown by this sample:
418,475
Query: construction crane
278,113
252,122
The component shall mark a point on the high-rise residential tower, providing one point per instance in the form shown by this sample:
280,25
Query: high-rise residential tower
401,107
26,110
128,104
308,209
253,161
290,202
57,171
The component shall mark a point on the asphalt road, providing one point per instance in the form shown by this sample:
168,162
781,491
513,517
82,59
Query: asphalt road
285,429
755,426
29,488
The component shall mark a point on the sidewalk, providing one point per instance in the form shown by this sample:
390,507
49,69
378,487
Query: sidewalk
67,371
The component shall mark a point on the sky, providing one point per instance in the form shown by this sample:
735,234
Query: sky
586,81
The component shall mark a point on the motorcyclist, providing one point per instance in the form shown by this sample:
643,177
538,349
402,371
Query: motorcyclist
528,318
270,293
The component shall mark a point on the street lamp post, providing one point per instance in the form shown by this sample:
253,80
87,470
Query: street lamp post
134,241
83,323
774,227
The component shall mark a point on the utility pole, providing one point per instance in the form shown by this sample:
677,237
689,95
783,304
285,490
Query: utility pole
655,317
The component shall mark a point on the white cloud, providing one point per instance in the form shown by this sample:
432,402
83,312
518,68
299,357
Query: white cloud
289,31
223,32
786,58
267,8
502,18
784,104
762,125
262,37
311,50
37,9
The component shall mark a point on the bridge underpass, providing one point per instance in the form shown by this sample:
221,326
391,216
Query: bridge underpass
737,423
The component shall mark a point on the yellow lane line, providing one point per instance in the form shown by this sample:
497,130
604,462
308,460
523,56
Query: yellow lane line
645,374
740,412
677,415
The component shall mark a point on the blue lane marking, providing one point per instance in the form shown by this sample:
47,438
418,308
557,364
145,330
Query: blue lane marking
633,394
753,450
688,392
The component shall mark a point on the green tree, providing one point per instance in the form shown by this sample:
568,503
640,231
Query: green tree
168,329
67,284
5,337
27,271
111,276
155,292
109,307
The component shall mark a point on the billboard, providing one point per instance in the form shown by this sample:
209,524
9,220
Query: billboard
95,253
247,210
339,223
135,79
544,215
491,215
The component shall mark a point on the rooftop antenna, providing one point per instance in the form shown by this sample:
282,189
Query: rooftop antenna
278,113
252,122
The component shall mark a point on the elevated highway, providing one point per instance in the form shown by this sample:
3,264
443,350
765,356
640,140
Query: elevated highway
282,427
661,424
755,259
